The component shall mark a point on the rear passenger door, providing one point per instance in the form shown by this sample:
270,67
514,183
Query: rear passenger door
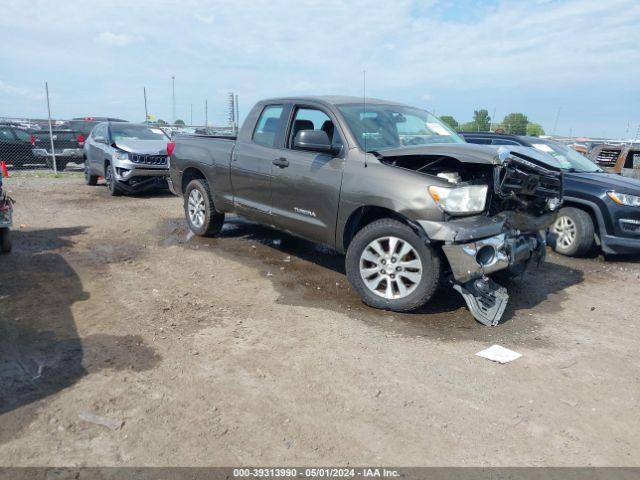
251,164
305,187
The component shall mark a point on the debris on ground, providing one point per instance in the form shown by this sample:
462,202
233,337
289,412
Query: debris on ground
499,354
104,421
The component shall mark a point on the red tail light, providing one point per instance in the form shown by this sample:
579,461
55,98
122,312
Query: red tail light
80,139
171,146
33,140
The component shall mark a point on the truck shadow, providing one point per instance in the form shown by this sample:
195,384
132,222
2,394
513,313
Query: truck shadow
41,352
311,275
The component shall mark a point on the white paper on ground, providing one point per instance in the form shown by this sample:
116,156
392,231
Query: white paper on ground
499,354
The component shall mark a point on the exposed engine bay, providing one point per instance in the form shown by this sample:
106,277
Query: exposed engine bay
519,183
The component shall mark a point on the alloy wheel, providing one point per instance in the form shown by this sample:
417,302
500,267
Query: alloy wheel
390,267
565,229
196,208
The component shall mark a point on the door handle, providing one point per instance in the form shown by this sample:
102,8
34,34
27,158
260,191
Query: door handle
281,162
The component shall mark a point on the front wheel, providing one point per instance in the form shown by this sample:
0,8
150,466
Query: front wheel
110,179
391,267
572,233
199,210
5,240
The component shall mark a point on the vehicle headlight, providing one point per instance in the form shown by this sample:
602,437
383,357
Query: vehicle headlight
460,200
625,199
121,155
553,203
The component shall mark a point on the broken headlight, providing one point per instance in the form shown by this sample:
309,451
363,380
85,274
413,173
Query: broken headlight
625,199
461,200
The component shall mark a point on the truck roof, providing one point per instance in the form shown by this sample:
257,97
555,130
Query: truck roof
331,100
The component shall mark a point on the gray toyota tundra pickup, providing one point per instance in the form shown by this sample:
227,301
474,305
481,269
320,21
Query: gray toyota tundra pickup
410,203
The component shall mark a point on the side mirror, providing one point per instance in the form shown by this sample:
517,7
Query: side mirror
314,141
100,139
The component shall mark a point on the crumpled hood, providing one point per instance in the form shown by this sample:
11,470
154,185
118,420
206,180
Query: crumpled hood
470,152
155,147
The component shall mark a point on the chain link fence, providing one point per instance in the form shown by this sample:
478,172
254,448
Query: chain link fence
29,144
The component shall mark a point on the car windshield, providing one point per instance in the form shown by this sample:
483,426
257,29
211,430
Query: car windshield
136,132
379,127
568,158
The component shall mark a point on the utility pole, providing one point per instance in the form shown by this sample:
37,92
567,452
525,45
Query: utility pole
493,119
206,114
173,91
53,152
146,113
191,122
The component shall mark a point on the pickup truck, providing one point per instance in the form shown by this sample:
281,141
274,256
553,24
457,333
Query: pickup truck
411,204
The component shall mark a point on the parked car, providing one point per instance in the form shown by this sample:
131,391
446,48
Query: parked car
84,125
131,157
15,146
403,195
66,144
621,159
599,208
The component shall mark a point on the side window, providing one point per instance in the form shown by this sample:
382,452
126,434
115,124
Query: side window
22,135
6,135
313,119
268,126
503,141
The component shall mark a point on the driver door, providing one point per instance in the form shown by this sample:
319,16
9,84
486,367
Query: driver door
305,185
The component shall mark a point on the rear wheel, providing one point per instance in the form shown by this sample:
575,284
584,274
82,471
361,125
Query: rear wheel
391,267
199,210
88,178
572,233
5,240
110,179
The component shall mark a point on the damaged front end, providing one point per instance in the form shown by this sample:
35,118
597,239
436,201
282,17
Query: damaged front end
525,191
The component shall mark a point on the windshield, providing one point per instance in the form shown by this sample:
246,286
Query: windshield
568,158
379,127
136,132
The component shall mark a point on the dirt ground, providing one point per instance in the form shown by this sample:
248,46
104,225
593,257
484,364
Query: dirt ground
251,349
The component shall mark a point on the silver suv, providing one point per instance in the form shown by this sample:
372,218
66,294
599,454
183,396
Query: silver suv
131,157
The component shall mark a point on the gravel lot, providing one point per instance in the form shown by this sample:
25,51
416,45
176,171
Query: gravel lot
252,349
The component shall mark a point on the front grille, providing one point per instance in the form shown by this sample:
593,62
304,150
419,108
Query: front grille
521,175
607,158
157,160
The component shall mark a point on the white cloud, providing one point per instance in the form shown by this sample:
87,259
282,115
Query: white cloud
117,39
20,91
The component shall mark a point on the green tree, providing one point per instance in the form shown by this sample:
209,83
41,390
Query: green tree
468,127
516,123
482,120
179,123
534,129
449,120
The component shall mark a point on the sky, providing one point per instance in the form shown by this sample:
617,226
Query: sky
572,66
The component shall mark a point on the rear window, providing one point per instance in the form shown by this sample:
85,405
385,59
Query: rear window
268,126
56,135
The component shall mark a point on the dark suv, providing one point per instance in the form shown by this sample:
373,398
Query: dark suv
599,207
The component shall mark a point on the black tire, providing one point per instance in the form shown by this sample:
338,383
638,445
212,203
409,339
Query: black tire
213,220
89,179
583,237
110,180
429,258
5,240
